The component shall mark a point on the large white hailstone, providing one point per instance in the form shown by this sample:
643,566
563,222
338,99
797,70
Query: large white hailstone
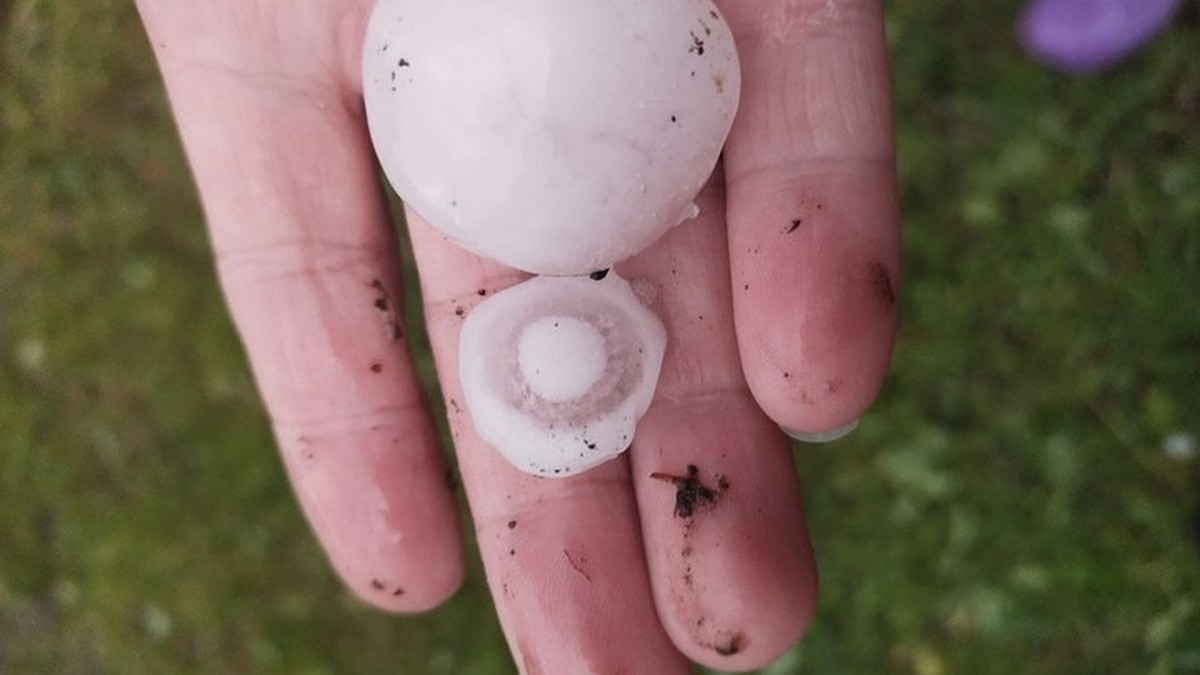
556,371
558,137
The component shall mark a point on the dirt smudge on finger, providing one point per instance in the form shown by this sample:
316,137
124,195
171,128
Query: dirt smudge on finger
690,493
735,643
383,305
381,586
703,623
577,565
881,284
305,446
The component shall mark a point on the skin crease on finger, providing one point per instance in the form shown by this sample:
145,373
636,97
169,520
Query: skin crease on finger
813,216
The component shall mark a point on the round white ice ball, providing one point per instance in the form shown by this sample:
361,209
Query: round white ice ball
556,137
556,371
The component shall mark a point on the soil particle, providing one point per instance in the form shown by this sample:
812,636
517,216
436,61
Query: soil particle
690,493
735,644
512,524
383,305
459,311
599,274
794,225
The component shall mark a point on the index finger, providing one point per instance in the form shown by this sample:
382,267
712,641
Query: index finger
812,208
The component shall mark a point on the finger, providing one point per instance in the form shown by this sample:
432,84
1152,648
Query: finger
729,558
563,556
308,268
813,218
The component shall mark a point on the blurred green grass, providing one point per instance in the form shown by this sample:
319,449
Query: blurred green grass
1006,507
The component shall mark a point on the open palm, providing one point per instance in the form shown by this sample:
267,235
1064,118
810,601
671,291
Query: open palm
779,302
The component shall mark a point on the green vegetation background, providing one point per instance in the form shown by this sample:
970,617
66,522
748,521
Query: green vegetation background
1007,507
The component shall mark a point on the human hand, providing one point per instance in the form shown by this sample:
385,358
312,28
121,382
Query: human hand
784,287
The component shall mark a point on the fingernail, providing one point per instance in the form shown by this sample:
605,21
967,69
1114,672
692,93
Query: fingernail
822,436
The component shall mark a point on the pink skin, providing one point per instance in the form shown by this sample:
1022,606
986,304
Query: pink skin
596,573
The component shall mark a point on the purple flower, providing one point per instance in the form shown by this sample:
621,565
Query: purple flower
1083,36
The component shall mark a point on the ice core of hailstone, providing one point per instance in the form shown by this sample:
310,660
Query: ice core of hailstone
556,371
556,137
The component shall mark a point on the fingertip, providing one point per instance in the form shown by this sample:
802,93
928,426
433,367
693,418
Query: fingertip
381,509
821,405
817,369
403,579
770,631
421,594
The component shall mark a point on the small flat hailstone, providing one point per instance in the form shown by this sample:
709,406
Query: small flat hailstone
555,137
556,371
